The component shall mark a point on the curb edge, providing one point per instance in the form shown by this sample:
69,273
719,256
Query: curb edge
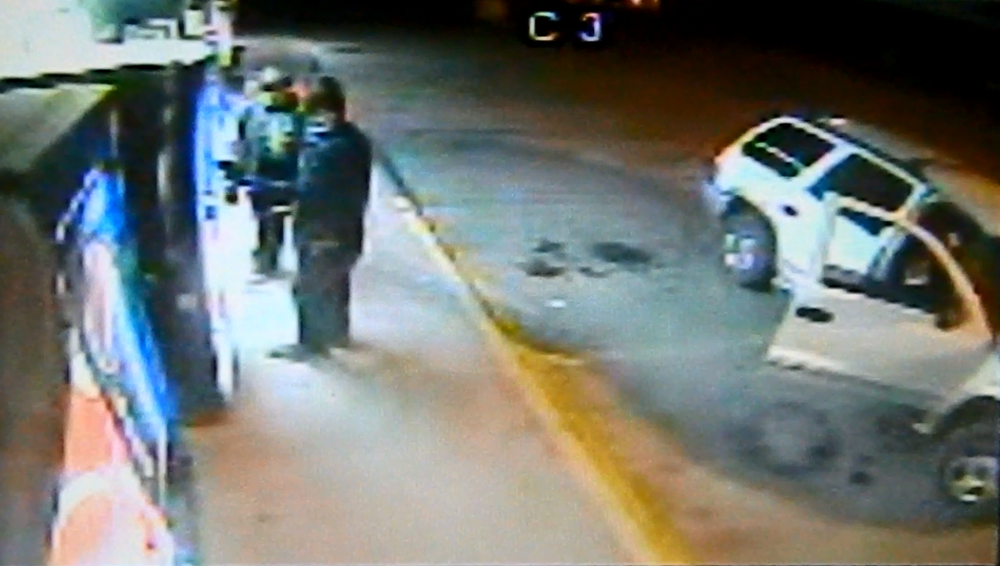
650,534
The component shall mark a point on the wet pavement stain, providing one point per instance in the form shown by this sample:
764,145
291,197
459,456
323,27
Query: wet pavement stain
547,259
629,258
861,474
594,272
541,267
860,478
546,246
550,258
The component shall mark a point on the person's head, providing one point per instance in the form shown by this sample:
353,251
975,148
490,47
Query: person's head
314,66
327,100
272,79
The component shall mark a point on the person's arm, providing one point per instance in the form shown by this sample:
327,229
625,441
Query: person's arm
300,132
368,159
242,122
248,142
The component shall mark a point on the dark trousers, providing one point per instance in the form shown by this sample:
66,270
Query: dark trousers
270,238
270,225
323,296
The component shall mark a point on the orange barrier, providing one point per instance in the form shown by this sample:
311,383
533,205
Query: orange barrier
104,515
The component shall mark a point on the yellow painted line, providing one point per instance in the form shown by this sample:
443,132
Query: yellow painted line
549,384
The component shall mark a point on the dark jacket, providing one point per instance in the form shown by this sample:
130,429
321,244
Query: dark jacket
270,120
334,185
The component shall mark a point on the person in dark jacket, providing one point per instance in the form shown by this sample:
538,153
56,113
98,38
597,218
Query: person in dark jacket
329,224
271,130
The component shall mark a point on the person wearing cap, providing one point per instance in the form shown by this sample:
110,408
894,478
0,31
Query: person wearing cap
333,192
270,133
303,84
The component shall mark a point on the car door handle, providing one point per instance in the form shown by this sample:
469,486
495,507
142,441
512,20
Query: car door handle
789,210
814,314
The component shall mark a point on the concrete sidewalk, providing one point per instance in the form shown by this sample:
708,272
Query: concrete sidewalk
410,448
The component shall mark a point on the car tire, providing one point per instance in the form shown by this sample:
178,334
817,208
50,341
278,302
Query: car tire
749,250
968,456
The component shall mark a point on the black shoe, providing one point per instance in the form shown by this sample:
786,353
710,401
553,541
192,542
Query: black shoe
267,271
180,463
266,263
297,353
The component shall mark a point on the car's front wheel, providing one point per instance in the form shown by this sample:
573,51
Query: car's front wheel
748,250
968,470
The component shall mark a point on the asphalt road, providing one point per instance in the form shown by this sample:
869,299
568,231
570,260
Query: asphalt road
570,180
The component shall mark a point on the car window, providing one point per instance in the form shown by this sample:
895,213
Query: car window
916,278
786,149
861,179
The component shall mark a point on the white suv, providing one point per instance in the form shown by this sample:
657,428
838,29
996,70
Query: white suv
893,260
768,188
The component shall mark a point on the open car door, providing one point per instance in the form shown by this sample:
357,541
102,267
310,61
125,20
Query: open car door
923,332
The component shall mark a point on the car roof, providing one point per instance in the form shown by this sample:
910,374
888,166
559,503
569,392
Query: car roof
868,135
978,195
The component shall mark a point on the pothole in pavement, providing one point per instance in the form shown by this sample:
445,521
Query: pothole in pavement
624,256
549,247
550,259
861,474
543,268
547,259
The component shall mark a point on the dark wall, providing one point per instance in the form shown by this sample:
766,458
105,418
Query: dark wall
935,48
33,367
32,381
56,176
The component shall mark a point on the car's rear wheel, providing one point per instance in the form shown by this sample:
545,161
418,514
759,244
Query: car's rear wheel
968,470
748,250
